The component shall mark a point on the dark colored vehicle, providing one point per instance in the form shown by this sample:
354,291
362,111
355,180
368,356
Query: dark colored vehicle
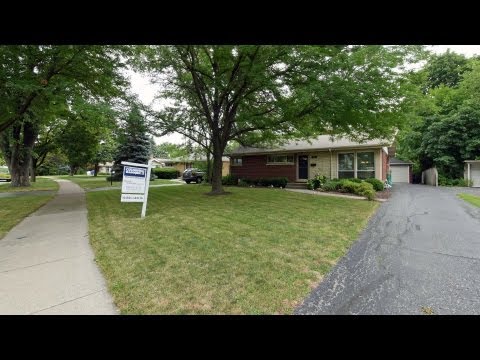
193,174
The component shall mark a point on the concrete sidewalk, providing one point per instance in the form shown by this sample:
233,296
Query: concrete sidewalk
46,262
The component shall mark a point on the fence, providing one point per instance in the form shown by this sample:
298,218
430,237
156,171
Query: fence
430,177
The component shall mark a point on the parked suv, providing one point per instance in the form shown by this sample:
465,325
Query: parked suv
193,174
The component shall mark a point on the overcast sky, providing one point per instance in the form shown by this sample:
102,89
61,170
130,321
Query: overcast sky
146,92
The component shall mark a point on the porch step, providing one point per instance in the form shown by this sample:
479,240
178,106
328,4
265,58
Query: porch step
296,185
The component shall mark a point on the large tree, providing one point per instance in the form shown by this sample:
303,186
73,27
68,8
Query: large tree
38,82
134,142
444,127
254,93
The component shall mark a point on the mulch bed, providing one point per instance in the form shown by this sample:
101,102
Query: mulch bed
385,194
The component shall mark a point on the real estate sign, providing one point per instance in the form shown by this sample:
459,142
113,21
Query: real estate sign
134,179
135,183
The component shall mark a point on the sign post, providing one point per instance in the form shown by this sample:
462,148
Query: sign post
135,183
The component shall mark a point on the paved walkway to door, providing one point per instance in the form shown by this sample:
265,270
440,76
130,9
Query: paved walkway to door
47,265
420,254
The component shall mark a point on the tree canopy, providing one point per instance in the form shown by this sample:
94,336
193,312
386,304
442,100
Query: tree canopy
445,131
256,93
40,83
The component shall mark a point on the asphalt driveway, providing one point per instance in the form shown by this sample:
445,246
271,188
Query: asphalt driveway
420,254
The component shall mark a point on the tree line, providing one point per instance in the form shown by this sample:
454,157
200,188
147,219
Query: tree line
75,98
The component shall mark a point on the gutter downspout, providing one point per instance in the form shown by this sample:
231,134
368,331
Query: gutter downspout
331,170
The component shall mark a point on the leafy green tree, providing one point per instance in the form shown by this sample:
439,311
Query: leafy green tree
445,69
39,82
254,93
106,150
169,150
134,142
446,131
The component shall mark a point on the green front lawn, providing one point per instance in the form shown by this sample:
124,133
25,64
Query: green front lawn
100,181
472,199
255,251
15,209
40,184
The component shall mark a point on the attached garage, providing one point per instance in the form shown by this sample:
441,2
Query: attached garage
472,172
400,171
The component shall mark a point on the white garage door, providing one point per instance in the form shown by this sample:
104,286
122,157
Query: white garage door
475,174
399,174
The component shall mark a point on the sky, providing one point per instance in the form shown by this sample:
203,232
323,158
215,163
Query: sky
146,91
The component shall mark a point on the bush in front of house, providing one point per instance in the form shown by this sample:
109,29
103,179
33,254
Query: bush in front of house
346,185
229,180
377,184
316,182
366,189
332,185
273,181
166,173
243,183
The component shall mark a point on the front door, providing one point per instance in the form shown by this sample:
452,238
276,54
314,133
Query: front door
302,167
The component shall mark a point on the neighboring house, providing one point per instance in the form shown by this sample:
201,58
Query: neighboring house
105,167
302,160
401,171
472,172
181,164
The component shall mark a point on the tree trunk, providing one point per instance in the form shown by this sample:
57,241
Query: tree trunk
33,170
18,147
217,188
97,168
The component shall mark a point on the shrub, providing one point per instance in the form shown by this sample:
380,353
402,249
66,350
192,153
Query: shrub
166,173
229,180
377,184
350,186
353,187
331,185
275,182
316,182
366,189
243,183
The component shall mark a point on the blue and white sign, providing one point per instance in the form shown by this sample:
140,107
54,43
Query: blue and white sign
134,180
135,184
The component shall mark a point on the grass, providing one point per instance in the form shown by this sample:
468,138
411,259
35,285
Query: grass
255,251
15,209
40,184
472,199
92,182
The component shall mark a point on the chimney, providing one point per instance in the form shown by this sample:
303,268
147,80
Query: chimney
391,151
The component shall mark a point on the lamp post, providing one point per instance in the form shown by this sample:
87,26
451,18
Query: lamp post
111,177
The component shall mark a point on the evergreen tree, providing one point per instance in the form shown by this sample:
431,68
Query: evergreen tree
134,143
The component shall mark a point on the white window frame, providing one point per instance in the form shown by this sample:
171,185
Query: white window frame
354,163
355,171
365,171
237,158
283,162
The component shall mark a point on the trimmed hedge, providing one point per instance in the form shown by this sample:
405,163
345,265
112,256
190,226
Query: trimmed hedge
274,181
362,188
229,180
377,184
166,173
